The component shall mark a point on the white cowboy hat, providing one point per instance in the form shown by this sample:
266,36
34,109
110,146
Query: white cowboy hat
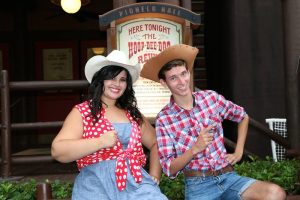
117,58
178,51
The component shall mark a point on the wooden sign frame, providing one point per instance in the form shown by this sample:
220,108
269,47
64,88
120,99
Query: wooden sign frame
177,23
112,32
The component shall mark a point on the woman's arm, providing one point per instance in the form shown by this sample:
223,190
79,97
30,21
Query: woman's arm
68,145
149,141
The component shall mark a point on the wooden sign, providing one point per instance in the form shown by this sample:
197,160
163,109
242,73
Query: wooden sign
142,31
142,39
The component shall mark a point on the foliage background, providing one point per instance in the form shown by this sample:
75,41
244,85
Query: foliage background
283,173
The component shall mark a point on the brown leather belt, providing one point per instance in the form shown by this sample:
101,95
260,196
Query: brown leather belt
193,173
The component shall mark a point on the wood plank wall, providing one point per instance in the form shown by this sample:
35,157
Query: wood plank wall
200,79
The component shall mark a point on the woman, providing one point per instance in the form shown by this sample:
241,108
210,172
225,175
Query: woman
105,135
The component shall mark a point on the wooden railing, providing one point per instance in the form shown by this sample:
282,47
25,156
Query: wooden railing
6,126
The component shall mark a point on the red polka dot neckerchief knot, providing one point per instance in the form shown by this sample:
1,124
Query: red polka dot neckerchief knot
134,152
134,162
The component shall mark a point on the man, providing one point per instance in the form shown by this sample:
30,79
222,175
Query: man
190,134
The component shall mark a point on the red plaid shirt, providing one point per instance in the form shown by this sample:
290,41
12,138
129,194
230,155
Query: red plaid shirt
177,130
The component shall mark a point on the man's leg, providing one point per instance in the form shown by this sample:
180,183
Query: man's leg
263,190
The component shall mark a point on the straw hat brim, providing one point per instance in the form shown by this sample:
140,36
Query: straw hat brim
184,52
96,63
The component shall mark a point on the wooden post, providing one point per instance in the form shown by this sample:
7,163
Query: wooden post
174,2
187,4
5,122
43,191
120,3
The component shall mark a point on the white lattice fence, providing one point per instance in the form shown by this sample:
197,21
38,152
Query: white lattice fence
279,126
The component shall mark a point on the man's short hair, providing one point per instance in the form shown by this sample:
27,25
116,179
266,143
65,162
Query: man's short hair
168,66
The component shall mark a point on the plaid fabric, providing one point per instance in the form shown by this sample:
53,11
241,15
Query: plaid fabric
177,130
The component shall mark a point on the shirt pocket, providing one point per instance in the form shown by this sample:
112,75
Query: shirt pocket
210,120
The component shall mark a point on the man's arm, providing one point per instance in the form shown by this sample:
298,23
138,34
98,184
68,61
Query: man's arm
242,134
203,140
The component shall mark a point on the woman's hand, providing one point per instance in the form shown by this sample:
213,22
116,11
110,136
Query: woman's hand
108,139
69,145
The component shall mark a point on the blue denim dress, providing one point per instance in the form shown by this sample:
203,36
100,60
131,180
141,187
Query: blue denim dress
98,181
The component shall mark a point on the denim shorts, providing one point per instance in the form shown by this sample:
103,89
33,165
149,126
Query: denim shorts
228,186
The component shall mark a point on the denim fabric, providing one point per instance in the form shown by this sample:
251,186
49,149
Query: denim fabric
228,186
98,181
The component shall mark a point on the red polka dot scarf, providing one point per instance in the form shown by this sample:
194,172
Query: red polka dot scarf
134,152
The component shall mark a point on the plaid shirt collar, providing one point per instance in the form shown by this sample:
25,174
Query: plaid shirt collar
177,110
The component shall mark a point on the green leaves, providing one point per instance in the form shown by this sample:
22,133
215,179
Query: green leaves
26,190
283,173
172,188
17,190
61,190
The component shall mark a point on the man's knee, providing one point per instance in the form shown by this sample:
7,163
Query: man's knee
264,190
276,192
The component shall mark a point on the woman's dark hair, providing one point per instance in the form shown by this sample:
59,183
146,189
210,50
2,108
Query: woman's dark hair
127,101
170,65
